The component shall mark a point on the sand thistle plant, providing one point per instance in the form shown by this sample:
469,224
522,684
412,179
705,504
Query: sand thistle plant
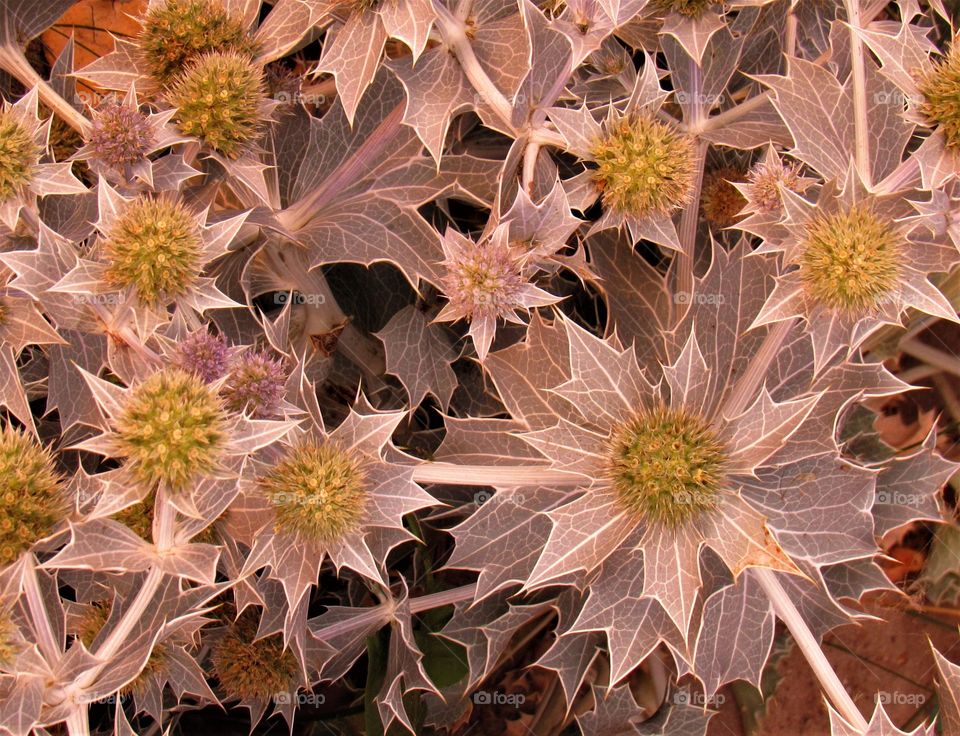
19,154
155,248
939,87
318,491
850,258
177,31
220,99
31,491
487,281
255,385
765,179
171,429
204,353
121,135
644,166
666,467
248,668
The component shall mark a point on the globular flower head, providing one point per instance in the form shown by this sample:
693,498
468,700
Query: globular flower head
766,178
939,87
850,258
484,280
666,466
250,669
121,135
171,427
155,246
644,166
219,98
721,201
31,491
19,154
255,384
204,353
319,492
180,30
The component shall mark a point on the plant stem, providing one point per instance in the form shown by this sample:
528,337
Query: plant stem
750,380
78,724
38,612
15,63
455,35
384,611
688,227
443,598
501,476
861,127
788,613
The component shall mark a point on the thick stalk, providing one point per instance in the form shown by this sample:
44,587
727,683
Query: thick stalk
455,35
502,476
78,723
49,647
15,63
746,388
861,128
688,227
787,612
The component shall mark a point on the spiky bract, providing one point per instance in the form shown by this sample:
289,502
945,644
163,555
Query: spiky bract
178,31
644,166
666,466
849,258
249,669
172,428
255,384
121,135
318,491
31,493
19,154
219,99
765,181
204,353
154,246
940,88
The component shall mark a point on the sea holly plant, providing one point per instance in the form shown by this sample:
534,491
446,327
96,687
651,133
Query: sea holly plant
481,367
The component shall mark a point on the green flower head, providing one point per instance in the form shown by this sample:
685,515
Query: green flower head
645,167
31,493
666,466
172,429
